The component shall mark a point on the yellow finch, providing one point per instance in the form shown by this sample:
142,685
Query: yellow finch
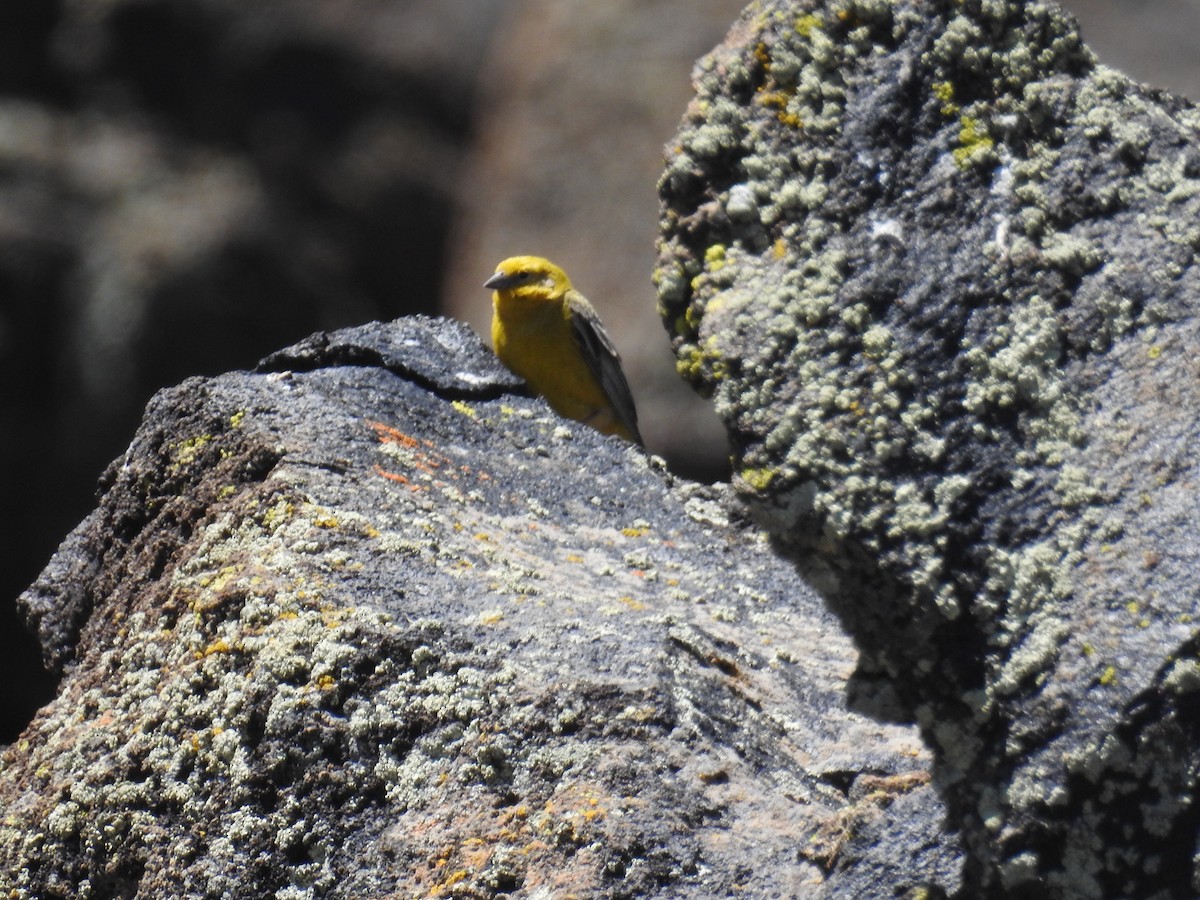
546,332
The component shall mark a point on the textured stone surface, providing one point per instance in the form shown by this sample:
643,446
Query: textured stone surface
937,268
343,627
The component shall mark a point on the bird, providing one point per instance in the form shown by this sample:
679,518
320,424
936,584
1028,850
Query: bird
547,332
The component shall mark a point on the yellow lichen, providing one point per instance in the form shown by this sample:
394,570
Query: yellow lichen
944,92
714,257
806,25
187,451
758,479
973,139
275,516
778,101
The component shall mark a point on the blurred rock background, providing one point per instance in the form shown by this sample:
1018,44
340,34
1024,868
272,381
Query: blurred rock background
186,185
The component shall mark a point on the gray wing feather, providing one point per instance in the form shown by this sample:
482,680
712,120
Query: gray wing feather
603,359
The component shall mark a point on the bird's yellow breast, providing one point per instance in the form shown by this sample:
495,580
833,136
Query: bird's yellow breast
546,332
533,337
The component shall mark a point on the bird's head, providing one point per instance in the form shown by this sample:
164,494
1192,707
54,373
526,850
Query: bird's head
529,277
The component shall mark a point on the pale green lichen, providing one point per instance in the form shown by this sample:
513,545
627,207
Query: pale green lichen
1071,254
1019,363
877,341
252,628
831,416
1077,486
1183,677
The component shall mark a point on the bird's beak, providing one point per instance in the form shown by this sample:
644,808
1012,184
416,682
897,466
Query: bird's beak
499,282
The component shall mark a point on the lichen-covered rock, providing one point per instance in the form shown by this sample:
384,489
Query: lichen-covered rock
369,623
937,267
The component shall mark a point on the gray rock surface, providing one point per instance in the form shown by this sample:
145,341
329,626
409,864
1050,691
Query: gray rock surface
937,267
368,622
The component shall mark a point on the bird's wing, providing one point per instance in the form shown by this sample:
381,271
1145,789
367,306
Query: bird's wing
602,358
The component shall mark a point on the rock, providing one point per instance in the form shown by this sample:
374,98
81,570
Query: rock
366,622
954,346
